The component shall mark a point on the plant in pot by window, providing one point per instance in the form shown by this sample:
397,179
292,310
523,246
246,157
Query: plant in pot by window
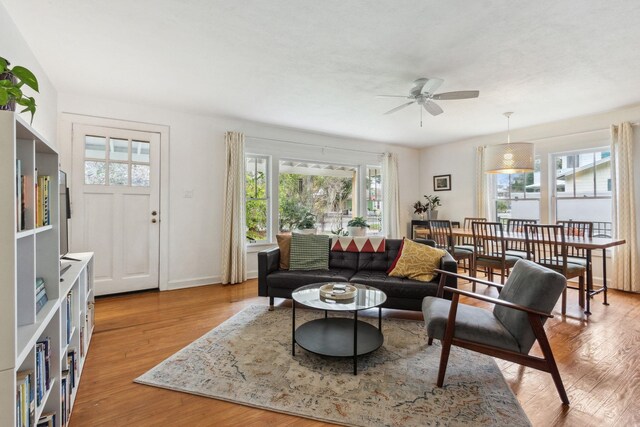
307,225
11,82
432,203
357,226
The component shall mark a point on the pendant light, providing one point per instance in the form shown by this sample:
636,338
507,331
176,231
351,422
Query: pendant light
512,157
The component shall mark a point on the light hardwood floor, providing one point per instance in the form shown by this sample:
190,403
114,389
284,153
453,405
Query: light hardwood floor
599,360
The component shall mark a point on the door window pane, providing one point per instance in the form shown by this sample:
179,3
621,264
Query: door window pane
118,149
94,173
118,174
140,175
94,147
140,151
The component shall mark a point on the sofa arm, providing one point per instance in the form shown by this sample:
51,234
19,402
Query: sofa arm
448,263
268,261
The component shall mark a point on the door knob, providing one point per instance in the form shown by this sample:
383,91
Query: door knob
154,220
154,213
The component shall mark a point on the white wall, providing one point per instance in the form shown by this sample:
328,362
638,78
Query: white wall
16,50
196,164
458,159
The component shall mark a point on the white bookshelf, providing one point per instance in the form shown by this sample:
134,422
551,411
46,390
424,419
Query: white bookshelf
27,254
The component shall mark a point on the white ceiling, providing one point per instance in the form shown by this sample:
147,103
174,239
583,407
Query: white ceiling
317,65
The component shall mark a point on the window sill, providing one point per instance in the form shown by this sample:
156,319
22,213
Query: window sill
257,247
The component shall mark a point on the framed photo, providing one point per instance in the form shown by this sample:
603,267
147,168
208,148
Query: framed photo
442,183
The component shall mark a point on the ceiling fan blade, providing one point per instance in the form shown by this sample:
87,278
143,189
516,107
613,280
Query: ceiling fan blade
461,94
391,96
432,108
431,85
418,84
393,110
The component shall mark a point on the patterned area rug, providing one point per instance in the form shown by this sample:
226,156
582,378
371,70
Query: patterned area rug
247,360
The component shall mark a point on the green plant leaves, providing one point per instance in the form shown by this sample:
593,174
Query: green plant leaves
3,65
26,77
4,96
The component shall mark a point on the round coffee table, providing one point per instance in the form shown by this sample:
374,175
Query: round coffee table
338,336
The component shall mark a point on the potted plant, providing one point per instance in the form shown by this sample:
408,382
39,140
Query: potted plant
432,203
307,225
419,208
11,82
357,226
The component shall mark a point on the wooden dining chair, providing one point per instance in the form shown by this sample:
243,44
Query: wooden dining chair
577,229
517,248
546,246
466,243
490,250
443,236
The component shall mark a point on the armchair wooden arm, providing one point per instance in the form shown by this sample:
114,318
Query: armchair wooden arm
443,279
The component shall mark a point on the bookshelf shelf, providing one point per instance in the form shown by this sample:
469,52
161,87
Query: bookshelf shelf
33,330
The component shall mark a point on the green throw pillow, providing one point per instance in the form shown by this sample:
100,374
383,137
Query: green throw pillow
309,252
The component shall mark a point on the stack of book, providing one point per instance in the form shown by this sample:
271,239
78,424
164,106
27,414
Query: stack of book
47,420
43,353
42,200
41,294
20,197
69,314
25,404
65,398
72,363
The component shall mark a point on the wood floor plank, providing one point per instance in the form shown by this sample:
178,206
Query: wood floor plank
598,358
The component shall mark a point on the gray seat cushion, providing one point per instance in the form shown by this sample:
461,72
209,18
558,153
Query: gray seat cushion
509,261
472,324
577,260
519,254
468,248
396,287
573,270
532,286
294,279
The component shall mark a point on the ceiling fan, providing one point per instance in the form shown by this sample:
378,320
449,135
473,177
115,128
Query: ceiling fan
423,94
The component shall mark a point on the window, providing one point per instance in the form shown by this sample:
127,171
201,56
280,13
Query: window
316,196
116,162
374,199
583,188
518,195
257,198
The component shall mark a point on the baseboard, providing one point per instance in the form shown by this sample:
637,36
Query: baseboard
191,283
252,274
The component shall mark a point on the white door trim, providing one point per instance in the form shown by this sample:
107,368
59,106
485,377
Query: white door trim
65,135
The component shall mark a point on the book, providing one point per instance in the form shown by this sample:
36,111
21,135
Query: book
25,405
47,420
19,194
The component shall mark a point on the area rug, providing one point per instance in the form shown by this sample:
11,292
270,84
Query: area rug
247,360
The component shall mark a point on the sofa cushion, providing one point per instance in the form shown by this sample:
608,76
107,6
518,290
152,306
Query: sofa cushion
347,260
416,261
380,261
294,279
284,243
309,252
397,287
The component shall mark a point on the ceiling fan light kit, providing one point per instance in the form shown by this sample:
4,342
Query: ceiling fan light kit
512,157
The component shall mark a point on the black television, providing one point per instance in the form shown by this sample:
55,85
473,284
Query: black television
64,213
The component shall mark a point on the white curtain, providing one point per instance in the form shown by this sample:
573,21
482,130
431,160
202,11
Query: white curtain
626,264
234,254
390,196
481,184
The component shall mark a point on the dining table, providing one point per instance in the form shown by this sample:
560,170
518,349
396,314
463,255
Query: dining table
580,242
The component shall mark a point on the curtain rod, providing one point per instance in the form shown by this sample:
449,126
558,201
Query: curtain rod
314,145
636,123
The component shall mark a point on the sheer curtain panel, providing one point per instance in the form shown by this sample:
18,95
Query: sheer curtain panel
626,264
233,228
391,196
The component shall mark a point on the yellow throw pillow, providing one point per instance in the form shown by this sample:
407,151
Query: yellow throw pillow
416,261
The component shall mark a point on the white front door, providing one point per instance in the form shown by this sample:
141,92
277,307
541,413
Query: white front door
115,205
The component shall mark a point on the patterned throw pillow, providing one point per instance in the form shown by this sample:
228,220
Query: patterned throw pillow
284,243
416,261
309,252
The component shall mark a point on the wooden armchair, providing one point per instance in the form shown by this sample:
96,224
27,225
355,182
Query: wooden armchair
510,330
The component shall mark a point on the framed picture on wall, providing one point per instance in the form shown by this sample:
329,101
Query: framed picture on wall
442,183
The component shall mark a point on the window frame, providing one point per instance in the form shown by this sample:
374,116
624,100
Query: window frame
496,198
267,198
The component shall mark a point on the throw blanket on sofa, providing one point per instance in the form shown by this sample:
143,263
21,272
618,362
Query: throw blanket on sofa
357,244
